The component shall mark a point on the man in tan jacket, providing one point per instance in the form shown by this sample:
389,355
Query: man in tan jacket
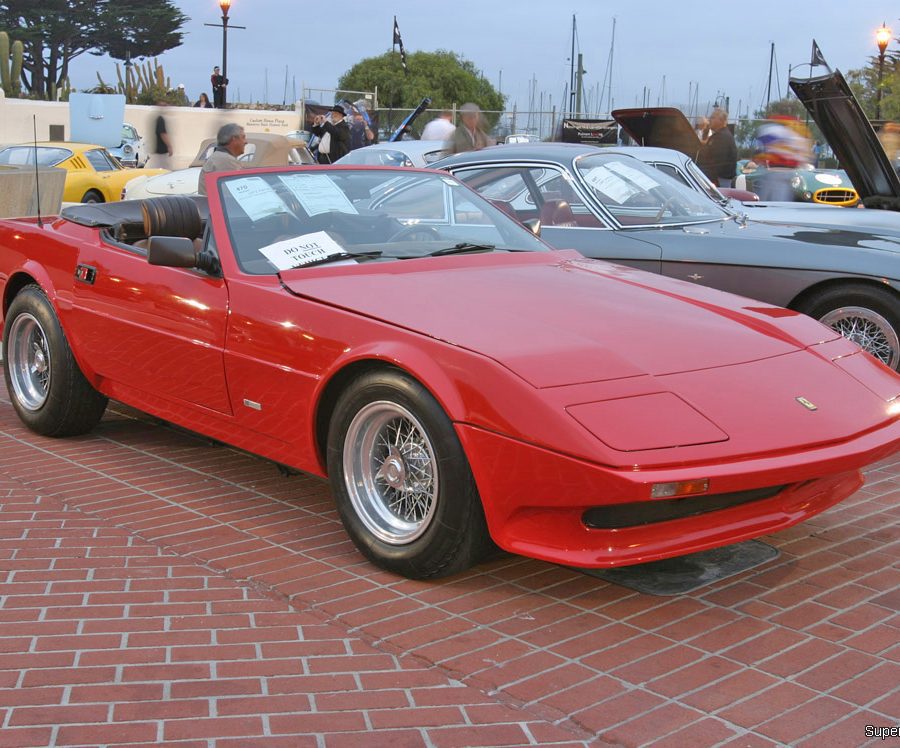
468,135
230,142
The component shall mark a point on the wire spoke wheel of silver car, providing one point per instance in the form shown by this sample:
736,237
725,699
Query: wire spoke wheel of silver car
400,477
868,329
391,472
29,362
868,315
48,391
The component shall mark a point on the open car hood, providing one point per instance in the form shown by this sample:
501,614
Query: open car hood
659,127
834,108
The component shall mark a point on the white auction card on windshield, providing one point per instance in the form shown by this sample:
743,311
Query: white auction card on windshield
317,193
256,197
308,249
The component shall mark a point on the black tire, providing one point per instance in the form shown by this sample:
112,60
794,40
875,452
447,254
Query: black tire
439,528
47,389
867,315
92,196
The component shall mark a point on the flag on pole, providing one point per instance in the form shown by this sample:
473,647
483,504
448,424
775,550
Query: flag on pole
399,41
817,57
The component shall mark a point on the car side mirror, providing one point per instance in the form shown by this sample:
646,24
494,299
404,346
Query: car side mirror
533,225
171,251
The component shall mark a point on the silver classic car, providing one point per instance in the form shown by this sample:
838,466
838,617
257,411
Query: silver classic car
682,167
609,205
132,151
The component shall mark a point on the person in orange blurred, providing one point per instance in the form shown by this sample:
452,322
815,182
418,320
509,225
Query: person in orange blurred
782,148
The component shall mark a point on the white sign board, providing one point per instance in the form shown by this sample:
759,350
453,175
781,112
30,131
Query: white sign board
303,250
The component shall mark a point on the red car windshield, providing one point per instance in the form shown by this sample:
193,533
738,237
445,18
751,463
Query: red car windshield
292,219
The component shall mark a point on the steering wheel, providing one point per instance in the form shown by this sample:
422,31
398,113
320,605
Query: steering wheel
666,203
415,233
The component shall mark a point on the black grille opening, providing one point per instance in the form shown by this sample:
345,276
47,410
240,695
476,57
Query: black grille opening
835,196
617,516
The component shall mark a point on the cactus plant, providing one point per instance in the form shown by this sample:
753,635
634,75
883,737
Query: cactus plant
18,57
4,61
11,57
146,84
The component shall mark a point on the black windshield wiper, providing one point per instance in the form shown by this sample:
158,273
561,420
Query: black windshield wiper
342,256
462,248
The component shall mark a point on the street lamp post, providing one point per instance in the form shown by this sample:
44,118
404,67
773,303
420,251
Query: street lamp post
882,39
225,5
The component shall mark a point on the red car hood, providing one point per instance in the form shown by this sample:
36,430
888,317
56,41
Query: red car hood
558,319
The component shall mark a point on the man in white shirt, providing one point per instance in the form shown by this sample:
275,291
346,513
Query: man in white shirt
230,142
440,128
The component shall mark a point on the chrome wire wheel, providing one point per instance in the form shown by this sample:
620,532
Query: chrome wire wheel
868,329
390,472
28,354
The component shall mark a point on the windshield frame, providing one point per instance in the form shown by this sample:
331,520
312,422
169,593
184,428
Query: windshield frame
357,228
716,213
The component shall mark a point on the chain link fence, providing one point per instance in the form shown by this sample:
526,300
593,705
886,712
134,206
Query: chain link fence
539,125
499,124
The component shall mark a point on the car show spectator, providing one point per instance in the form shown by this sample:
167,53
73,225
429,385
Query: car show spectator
333,134
219,83
816,154
203,102
890,141
360,133
440,128
718,156
469,135
230,142
702,129
161,158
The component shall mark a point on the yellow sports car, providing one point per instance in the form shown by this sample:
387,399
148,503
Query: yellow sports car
94,176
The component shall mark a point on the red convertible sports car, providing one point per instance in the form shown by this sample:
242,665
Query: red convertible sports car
459,382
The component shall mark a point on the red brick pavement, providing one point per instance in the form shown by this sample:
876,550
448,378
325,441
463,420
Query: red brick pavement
158,588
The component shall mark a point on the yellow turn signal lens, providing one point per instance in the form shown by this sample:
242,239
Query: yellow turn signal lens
679,488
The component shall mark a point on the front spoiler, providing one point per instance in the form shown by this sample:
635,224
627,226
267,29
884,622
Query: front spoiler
534,499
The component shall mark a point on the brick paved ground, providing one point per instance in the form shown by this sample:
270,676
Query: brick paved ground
157,588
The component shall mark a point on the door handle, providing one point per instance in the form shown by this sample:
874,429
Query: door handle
85,274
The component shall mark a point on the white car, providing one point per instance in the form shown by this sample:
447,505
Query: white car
132,151
417,153
262,149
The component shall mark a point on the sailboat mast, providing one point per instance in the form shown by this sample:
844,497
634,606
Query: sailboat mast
572,71
769,85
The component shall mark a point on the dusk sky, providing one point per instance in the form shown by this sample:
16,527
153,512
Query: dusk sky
716,49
